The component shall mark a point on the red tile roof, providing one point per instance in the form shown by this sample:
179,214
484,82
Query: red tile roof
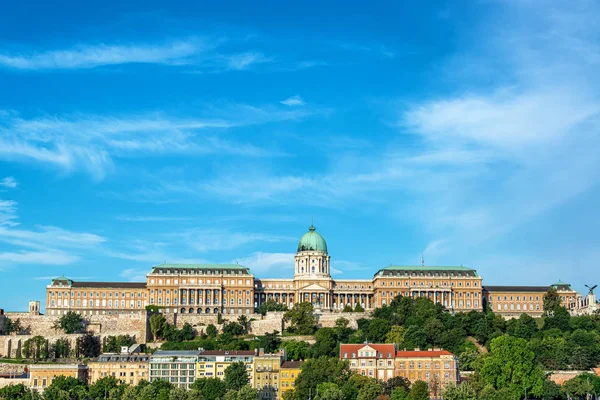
422,353
381,348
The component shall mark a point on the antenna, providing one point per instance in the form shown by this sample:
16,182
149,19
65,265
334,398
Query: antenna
422,260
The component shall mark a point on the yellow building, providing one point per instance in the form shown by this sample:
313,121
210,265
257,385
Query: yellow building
127,368
213,363
512,301
42,375
233,290
266,374
288,372
437,367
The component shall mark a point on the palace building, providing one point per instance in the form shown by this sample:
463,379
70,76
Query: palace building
233,289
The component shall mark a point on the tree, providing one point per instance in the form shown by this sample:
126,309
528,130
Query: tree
577,388
511,364
370,390
66,387
296,350
61,348
71,322
88,346
358,308
233,329
158,324
395,335
269,342
113,344
11,326
245,393
418,391
464,391
301,318
243,321
105,385
559,319
395,383
36,348
551,301
347,308
524,327
551,391
329,391
378,329
18,392
210,388
271,305
319,370
211,330
399,394
236,376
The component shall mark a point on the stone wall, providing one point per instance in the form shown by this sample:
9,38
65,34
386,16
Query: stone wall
2,322
15,381
327,319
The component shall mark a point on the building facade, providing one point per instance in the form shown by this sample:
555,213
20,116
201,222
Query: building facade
42,375
437,367
288,373
129,369
233,289
177,367
213,363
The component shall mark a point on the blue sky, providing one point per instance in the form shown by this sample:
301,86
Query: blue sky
215,131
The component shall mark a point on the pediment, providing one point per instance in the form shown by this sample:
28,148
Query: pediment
315,288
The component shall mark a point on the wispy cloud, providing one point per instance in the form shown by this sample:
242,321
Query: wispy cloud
243,61
89,56
92,142
380,49
294,101
8,182
153,218
47,245
269,264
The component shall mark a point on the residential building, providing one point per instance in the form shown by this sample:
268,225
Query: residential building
42,375
177,367
213,363
288,372
266,374
374,360
128,367
437,367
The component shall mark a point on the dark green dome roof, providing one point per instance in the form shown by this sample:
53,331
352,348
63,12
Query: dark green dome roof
312,241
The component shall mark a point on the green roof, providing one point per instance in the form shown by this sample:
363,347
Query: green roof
202,266
312,241
63,278
424,268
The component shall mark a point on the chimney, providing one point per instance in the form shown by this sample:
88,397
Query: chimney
417,349
261,352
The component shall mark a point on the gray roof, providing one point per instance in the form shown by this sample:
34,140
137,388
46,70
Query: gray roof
176,353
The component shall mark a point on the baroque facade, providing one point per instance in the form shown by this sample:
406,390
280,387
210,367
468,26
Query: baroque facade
233,289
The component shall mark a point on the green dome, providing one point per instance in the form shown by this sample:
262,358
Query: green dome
312,240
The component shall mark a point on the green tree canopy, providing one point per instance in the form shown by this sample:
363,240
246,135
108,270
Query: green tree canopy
208,388
236,376
71,322
418,391
301,318
511,364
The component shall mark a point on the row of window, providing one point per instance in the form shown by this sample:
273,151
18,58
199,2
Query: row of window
98,303
161,281
413,273
199,272
169,301
537,298
91,294
512,307
429,284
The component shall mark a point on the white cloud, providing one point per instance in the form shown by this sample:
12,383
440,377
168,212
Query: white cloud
8,213
37,257
89,56
8,182
207,240
91,143
47,245
243,61
269,264
134,274
294,101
